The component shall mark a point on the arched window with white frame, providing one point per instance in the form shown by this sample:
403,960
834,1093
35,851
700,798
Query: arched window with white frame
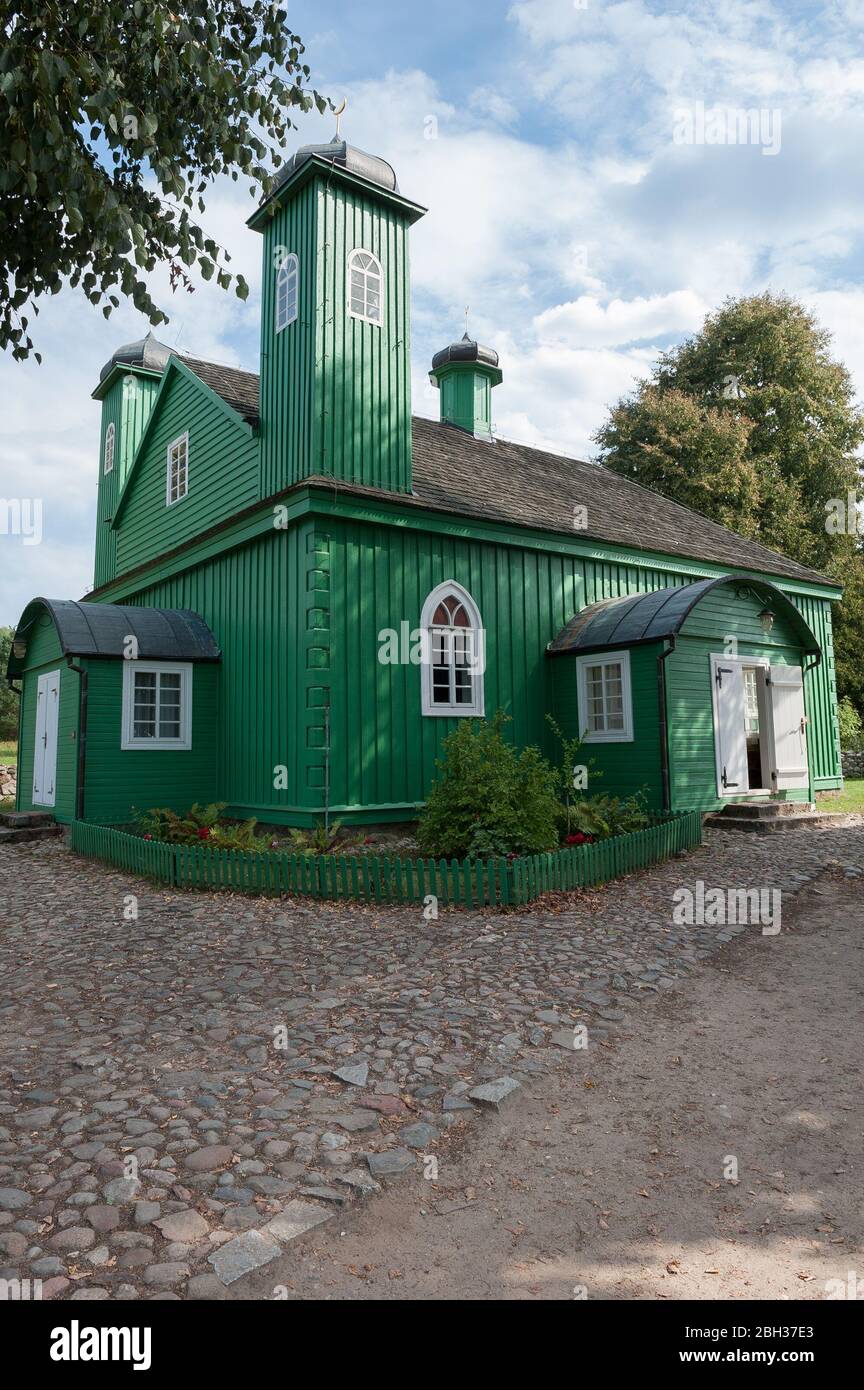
454,652
365,287
287,290
108,456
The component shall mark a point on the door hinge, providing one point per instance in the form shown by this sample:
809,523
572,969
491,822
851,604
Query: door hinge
726,782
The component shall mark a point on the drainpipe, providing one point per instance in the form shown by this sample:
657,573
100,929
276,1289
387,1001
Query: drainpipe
811,666
82,735
664,726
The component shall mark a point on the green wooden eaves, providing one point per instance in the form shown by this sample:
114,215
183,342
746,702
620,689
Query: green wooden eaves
305,499
175,367
314,166
119,370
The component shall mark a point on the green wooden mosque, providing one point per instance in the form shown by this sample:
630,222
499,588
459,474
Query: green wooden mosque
299,588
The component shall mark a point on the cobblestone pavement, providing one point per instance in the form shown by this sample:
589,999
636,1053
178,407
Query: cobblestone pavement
186,1092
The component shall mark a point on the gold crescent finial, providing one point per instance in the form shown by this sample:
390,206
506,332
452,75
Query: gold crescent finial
338,113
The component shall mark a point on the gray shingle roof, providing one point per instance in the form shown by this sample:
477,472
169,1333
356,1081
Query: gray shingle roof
523,486
529,487
237,388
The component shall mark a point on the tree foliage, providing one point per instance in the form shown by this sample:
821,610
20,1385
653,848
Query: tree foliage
8,698
752,423
114,119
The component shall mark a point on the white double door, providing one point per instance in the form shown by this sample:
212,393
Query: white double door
782,726
45,749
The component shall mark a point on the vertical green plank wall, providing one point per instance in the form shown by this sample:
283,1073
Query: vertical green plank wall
335,390
338,584
126,405
118,779
618,769
721,616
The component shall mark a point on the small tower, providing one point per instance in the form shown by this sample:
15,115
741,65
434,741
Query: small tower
465,373
335,331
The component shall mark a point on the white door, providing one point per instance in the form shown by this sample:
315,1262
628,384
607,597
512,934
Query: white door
45,750
789,728
730,735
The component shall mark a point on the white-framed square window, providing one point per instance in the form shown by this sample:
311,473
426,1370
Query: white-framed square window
177,474
605,701
157,704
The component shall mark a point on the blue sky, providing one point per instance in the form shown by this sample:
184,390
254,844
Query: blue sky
549,142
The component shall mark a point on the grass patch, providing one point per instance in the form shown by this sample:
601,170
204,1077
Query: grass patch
850,799
8,753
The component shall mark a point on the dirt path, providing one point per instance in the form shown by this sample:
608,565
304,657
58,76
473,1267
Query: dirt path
609,1176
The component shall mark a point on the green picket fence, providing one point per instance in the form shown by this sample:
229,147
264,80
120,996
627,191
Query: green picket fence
387,878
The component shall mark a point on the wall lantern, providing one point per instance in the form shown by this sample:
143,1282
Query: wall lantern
19,649
766,620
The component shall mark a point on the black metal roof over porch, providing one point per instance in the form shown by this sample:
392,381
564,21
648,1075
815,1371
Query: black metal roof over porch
655,616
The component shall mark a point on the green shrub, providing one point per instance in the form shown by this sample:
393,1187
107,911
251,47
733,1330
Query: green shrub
851,726
487,799
201,825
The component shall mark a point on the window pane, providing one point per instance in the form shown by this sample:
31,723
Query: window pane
144,705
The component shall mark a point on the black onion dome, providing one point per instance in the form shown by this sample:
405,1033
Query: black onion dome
466,350
148,353
366,166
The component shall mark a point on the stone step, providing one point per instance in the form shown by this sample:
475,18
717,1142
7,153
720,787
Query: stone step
19,820
29,832
771,825
765,810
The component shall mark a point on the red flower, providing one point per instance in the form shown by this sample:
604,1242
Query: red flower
580,839
148,837
203,832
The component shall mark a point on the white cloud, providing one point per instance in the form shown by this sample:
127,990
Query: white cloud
586,322
559,210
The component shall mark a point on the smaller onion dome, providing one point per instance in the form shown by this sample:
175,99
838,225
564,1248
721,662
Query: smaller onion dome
339,152
466,350
148,353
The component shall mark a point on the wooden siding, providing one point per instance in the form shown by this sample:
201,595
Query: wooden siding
338,583
288,358
127,406
618,769
720,619
43,655
223,475
336,391
118,779
820,693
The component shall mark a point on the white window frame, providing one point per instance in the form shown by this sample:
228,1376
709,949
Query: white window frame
290,268
624,735
108,453
430,707
368,270
169,500
133,667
